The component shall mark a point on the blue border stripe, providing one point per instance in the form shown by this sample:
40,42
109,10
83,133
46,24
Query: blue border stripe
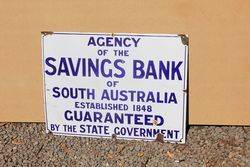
109,34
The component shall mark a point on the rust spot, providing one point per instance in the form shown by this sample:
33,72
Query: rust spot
114,136
159,138
47,33
184,39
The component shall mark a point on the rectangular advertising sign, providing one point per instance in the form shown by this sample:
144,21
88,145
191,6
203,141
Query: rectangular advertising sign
128,86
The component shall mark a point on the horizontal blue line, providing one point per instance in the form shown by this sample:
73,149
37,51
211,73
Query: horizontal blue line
100,136
107,34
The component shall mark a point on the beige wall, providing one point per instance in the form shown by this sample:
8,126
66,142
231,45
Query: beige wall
219,61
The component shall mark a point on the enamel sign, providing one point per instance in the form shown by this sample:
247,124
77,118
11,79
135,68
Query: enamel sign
128,86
